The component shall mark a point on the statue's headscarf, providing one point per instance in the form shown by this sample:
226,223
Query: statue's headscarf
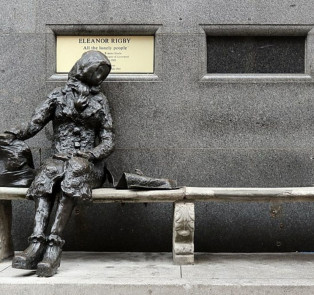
83,70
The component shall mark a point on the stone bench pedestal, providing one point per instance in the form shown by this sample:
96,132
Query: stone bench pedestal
6,245
183,233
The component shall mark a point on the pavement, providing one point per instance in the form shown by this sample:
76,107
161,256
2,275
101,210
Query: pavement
92,273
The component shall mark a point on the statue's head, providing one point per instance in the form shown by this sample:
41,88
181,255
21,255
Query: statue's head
92,68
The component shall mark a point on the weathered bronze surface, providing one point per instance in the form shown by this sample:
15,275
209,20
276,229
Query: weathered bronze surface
83,139
16,163
139,181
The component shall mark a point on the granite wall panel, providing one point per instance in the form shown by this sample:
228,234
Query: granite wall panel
203,133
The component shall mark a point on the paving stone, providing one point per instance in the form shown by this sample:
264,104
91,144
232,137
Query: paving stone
154,273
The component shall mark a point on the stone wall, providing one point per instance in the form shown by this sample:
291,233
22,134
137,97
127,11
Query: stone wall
179,123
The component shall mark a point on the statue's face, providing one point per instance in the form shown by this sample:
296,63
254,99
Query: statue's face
100,74
95,74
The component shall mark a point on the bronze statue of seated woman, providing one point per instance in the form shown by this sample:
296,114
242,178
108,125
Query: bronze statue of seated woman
82,140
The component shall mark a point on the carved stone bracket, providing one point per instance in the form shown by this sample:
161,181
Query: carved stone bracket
6,245
183,233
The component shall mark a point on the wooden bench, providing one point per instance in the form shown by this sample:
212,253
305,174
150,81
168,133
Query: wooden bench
184,214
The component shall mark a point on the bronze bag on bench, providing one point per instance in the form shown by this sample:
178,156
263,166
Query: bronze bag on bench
16,163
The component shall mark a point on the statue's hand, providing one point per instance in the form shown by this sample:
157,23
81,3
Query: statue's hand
63,157
86,155
7,137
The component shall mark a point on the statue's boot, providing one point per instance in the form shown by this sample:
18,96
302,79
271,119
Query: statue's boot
52,257
32,255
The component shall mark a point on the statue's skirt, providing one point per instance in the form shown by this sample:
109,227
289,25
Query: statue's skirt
75,177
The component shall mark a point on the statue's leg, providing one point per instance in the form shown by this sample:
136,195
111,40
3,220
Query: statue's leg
52,257
43,208
6,245
64,210
30,257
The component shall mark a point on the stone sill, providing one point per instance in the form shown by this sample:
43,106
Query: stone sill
113,78
257,78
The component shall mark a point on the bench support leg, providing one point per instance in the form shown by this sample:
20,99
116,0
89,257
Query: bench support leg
6,245
183,233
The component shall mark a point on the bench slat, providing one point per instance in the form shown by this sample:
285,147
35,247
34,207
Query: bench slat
107,195
114,195
12,193
249,194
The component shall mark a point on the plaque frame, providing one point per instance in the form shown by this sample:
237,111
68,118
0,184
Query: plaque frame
257,30
119,30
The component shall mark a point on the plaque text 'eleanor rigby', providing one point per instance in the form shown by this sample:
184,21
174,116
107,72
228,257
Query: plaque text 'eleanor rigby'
127,54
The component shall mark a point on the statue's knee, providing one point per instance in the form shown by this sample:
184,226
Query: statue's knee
77,167
52,168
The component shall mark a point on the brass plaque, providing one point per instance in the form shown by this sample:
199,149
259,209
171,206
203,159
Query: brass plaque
127,54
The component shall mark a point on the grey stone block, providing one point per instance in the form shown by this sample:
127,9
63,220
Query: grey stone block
180,60
18,16
179,17
253,116
22,223
241,12
99,12
259,227
22,75
282,12
244,167
101,227
220,167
